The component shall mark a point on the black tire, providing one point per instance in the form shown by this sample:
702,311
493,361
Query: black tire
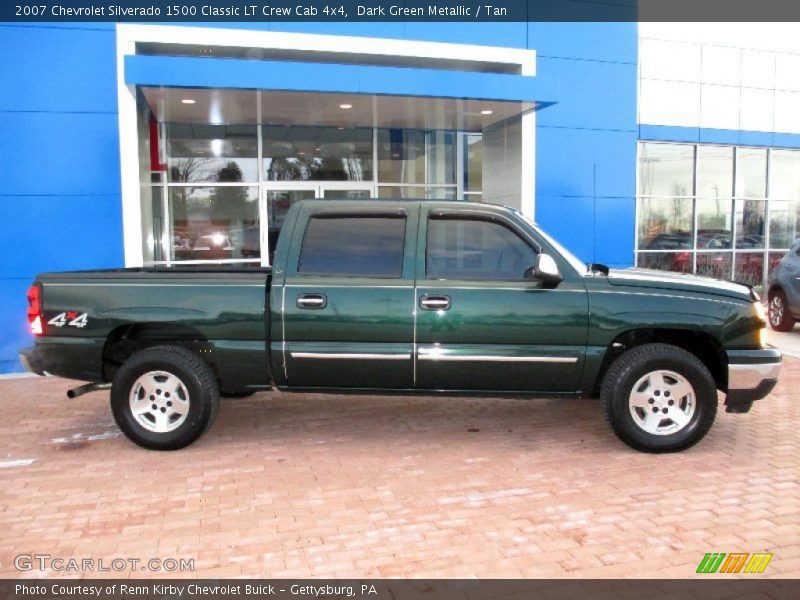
635,364
779,316
198,383
236,393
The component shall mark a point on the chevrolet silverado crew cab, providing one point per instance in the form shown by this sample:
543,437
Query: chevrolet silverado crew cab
413,297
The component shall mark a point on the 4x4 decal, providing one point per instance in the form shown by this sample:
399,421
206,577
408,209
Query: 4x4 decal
71,319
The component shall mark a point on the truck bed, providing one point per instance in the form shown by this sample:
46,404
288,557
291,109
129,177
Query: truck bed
218,309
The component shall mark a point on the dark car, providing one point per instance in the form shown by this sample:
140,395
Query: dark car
783,291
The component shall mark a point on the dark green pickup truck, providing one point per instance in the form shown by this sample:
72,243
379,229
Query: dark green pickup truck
427,297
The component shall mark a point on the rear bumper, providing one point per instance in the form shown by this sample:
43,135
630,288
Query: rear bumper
31,361
71,358
752,375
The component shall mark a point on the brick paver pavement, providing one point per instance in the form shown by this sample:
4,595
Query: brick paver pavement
369,486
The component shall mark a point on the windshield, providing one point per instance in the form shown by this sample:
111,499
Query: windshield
573,260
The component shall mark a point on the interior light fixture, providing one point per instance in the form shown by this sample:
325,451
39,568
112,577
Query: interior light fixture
487,112
346,106
188,101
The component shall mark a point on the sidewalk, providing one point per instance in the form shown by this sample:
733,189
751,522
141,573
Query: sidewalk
360,486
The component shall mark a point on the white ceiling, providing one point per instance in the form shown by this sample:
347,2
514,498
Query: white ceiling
229,106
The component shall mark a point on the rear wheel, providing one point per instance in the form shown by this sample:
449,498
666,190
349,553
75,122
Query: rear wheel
780,319
659,398
164,397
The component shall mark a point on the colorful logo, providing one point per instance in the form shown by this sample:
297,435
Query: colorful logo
735,562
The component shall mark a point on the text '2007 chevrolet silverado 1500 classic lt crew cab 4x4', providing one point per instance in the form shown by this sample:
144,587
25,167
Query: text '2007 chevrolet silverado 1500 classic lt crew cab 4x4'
427,297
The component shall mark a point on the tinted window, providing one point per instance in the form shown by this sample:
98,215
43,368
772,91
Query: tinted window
353,246
472,249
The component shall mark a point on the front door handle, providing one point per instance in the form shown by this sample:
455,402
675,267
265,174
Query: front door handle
434,302
312,301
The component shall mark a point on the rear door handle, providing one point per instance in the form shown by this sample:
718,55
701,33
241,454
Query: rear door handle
312,301
434,302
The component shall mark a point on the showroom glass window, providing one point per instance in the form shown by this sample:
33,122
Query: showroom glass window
212,177
217,193
721,211
473,166
300,153
416,164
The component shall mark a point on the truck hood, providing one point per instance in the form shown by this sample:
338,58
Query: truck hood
650,278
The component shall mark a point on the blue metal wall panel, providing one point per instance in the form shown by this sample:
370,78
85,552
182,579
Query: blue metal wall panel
762,138
61,194
615,223
14,332
60,153
589,94
669,133
609,42
596,229
586,142
570,220
781,140
590,157
719,136
57,70
60,233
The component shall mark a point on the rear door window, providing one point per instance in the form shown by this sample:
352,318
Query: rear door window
353,246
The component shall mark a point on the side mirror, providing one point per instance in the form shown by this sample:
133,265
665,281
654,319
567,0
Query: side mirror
545,270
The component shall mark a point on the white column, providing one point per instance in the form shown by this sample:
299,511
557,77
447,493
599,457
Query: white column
528,170
129,156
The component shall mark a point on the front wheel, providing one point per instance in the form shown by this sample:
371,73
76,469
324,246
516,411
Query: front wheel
164,397
780,319
659,398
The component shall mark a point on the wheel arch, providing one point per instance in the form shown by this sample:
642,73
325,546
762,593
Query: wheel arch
774,287
699,343
125,340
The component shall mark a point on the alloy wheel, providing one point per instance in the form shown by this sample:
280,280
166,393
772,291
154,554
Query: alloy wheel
776,310
662,402
159,401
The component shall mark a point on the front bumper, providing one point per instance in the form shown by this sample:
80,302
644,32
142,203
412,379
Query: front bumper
752,375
